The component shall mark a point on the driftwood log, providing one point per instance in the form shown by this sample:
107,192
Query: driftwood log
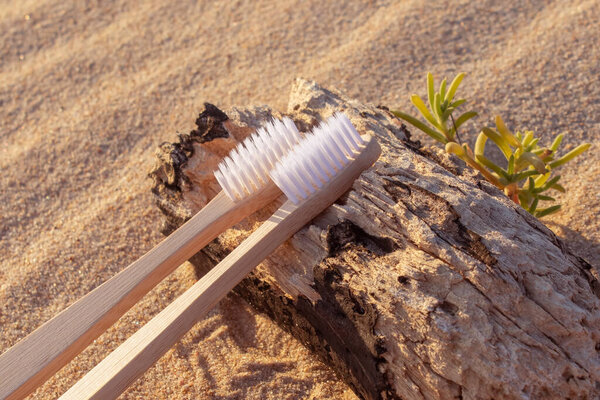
422,282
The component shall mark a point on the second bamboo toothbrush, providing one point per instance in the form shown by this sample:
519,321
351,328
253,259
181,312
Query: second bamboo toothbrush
316,173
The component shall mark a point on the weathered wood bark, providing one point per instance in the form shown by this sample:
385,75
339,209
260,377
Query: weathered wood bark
423,282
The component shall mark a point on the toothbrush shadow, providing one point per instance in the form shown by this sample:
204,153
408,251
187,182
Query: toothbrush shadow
240,321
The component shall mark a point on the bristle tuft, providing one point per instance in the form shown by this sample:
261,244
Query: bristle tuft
317,158
246,169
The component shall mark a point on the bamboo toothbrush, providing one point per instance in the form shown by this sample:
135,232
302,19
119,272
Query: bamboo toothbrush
317,172
246,189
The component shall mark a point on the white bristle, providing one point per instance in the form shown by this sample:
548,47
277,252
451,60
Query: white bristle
318,158
246,169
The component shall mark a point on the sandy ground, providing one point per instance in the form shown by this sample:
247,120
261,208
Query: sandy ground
89,89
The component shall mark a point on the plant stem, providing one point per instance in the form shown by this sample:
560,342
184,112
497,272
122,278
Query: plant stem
455,130
512,191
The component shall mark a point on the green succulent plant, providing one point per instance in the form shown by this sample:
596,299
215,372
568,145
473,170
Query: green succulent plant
527,176
443,127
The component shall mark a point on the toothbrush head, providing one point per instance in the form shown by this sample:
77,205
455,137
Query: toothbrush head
246,169
318,158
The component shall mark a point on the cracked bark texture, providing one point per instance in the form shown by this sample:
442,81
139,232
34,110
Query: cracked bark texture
422,282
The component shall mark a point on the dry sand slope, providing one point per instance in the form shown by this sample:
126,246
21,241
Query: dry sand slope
88,90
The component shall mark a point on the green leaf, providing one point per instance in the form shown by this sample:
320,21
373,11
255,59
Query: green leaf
457,103
534,160
542,212
524,198
455,148
540,180
464,118
518,153
416,100
447,113
430,90
444,106
532,144
528,138
546,198
499,140
488,163
533,205
438,107
519,136
559,187
480,144
443,91
511,164
549,184
453,86
418,124
506,134
525,174
557,140
570,155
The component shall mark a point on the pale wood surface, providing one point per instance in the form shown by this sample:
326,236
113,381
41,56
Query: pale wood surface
424,281
117,371
38,356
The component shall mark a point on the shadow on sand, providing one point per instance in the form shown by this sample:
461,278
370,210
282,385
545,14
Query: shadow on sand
581,246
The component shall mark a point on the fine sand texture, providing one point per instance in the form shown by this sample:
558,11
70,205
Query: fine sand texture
89,89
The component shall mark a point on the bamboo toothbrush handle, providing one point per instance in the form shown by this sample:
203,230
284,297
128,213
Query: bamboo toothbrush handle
122,367
38,356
